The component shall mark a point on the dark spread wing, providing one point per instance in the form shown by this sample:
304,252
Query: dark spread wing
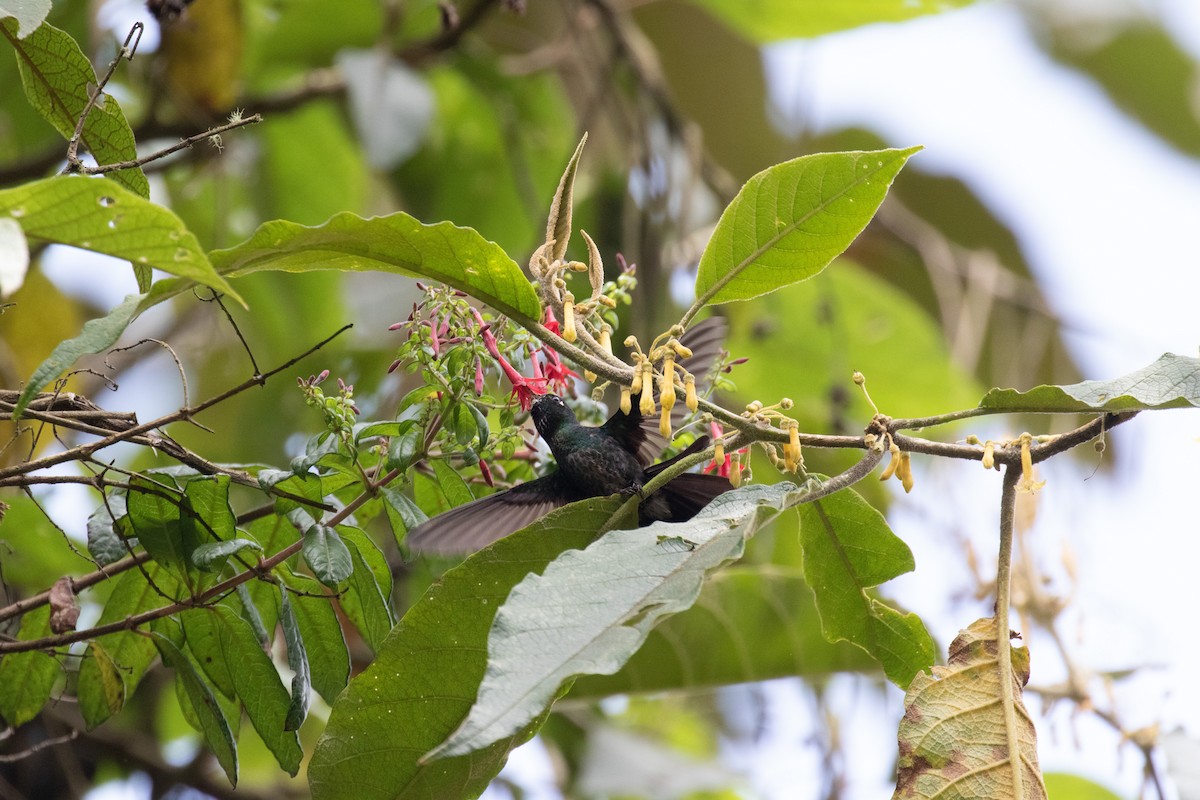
640,435
473,526
690,492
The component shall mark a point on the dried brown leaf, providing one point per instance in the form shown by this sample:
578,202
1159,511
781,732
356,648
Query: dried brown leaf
955,731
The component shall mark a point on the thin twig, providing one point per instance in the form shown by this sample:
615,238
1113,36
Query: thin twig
8,758
182,144
127,51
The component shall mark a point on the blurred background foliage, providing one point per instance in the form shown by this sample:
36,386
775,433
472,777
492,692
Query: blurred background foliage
373,107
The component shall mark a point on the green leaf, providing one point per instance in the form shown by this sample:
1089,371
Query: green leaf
548,630
109,682
58,80
202,631
1170,382
163,530
26,679
763,21
402,512
363,752
105,218
1063,786
130,652
405,448
211,556
848,548
481,427
97,335
204,706
298,663
366,599
751,623
451,483
326,554
209,498
105,543
396,243
230,648
328,658
789,221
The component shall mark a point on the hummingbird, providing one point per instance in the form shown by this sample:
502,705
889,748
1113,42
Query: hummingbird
592,461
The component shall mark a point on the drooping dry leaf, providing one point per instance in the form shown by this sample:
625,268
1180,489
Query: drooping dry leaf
955,731
64,609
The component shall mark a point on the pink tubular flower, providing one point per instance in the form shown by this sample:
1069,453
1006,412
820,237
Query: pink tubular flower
557,372
524,388
551,322
478,377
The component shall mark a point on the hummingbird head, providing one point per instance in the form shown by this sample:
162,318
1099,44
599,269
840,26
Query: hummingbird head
549,413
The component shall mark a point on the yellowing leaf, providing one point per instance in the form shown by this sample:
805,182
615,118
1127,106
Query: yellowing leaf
954,737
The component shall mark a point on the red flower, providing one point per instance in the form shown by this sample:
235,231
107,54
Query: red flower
524,388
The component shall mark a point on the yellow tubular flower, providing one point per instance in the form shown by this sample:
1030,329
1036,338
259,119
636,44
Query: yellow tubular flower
664,420
667,382
794,446
735,470
626,400
719,452
905,472
689,384
989,455
636,385
647,402
893,464
1026,458
605,340
569,317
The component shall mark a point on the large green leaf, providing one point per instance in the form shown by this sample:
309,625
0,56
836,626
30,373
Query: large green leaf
26,679
790,220
425,676
130,652
368,588
203,706
164,529
591,610
225,645
771,20
1170,382
324,643
58,80
848,549
756,623
396,243
105,218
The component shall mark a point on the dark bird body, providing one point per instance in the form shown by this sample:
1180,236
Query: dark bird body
591,462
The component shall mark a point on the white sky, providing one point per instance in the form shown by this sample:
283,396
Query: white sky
1106,215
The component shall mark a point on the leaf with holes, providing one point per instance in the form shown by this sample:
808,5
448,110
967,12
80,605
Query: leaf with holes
58,81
